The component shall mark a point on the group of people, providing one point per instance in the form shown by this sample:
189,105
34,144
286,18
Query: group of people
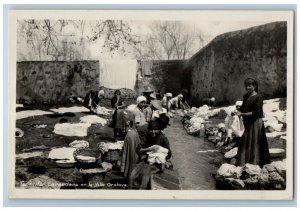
146,148
143,130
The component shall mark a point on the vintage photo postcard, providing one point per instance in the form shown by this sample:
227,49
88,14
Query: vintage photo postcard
108,104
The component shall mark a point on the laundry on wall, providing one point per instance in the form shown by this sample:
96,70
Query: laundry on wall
117,74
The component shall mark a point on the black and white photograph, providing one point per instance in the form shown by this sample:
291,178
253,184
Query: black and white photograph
151,104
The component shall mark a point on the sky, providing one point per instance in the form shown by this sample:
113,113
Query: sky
95,51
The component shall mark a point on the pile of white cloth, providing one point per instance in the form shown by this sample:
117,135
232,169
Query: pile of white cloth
234,125
63,153
68,129
157,156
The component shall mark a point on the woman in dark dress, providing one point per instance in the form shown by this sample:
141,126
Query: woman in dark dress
253,147
118,114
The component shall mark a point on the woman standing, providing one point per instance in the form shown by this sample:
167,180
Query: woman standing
118,114
253,147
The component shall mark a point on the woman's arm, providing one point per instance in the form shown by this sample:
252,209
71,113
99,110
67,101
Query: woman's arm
244,114
121,106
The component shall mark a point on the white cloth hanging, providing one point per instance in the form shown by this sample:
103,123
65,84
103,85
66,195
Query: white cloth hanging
116,74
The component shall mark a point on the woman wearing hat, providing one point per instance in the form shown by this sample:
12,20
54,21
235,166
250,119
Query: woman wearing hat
253,147
148,93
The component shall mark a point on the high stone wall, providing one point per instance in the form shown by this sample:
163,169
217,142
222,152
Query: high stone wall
166,75
220,68
52,82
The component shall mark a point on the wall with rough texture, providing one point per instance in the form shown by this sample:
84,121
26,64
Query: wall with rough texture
220,68
52,82
166,75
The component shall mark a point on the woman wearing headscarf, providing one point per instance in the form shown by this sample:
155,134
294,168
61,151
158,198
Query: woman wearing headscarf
253,147
167,97
137,129
152,142
118,114
138,112
175,102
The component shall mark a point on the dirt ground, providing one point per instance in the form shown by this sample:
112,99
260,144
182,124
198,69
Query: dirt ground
195,169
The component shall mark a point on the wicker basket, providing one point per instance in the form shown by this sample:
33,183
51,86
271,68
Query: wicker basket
87,158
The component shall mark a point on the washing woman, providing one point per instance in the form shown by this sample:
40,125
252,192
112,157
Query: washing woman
253,147
119,121
153,142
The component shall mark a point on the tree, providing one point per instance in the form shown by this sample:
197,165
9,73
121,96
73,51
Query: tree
67,39
168,40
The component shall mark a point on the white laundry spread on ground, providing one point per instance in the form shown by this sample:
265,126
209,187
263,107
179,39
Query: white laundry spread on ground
63,153
93,119
29,155
102,110
117,74
29,113
74,109
69,129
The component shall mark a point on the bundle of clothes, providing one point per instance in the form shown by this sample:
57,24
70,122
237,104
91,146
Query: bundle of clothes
251,177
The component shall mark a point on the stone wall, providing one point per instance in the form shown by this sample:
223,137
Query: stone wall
220,68
166,75
52,82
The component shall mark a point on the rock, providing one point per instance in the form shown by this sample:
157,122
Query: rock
232,153
252,169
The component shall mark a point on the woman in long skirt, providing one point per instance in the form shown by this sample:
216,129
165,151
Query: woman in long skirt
253,147
118,114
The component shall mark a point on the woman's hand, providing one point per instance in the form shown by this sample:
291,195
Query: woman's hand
238,113
154,148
